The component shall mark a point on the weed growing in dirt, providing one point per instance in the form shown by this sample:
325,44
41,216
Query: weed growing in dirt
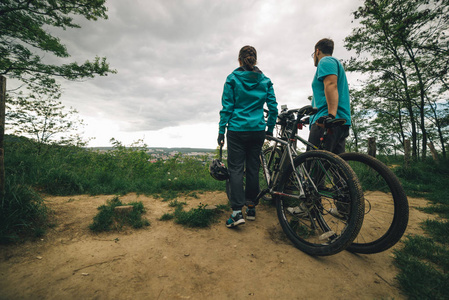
201,216
109,219
176,203
193,195
167,217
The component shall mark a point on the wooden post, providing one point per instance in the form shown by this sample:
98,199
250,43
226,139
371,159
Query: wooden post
406,153
433,151
2,134
124,209
372,146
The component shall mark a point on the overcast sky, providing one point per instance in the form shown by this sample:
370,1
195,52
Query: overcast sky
173,56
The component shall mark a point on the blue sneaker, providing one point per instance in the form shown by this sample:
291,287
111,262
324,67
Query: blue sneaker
235,221
251,213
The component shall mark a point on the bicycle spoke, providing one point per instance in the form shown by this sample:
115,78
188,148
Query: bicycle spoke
322,217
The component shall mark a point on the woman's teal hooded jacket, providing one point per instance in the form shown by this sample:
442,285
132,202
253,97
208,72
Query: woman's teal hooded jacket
244,95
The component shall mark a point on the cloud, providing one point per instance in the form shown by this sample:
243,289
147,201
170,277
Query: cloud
172,57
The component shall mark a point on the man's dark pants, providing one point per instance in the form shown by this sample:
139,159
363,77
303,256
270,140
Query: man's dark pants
335,141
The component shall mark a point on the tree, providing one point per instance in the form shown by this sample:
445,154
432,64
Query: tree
359,126
23,37
40,116
403,46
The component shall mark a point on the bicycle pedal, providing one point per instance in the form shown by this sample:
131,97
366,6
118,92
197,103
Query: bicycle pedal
326,235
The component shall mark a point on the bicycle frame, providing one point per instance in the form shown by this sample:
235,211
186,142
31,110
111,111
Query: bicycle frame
288,148
286,157
287,144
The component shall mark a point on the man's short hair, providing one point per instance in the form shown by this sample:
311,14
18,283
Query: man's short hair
326,46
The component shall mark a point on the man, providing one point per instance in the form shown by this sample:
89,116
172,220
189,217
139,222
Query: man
331,97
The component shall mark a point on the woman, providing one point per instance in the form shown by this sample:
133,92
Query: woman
245,92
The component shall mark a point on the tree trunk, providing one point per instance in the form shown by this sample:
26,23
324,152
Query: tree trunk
407,153
438,125
414,132
2,134
372,146
433,151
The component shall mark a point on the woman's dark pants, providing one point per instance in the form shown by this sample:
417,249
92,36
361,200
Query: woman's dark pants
243,150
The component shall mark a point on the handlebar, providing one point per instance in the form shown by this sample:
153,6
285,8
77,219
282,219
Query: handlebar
295,118
303,111
336,122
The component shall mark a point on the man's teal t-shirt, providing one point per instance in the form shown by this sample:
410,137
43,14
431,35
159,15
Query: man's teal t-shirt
329,65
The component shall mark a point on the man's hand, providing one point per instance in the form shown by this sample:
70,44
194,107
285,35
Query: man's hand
325,121
220,139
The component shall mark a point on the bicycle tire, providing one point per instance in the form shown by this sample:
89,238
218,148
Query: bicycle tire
318,232
270,165
386,204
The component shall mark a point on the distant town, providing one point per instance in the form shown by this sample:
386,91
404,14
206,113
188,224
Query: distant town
163,154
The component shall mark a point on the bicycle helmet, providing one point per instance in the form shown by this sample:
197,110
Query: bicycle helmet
218,170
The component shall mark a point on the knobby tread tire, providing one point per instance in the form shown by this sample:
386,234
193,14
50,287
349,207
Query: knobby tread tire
401,207
356,212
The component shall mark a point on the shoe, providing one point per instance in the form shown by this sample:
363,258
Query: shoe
251,213
235,221
334,212
298,211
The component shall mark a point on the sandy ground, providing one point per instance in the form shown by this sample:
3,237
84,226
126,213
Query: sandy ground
168,261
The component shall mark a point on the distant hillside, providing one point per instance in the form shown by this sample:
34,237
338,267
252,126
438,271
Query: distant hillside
162,149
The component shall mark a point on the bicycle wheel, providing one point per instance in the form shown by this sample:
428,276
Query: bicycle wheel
272,156
386,205
329,216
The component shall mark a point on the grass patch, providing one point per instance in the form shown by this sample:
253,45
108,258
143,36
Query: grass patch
426,249
167,217
23,213
439,230
109,219
424,261
168,195
199,217
420,280
70,170
177,204
193,195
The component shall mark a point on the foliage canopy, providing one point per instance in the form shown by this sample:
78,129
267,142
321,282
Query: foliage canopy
25,37
403,47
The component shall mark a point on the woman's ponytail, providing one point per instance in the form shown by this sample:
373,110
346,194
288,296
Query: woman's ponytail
248,57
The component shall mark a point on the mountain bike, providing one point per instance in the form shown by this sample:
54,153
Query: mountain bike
321,184
386,204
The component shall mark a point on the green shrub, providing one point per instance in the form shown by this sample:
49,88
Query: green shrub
197,217
167,217
69,170
108,219
22,213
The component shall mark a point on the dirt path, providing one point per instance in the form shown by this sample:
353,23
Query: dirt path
168,261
